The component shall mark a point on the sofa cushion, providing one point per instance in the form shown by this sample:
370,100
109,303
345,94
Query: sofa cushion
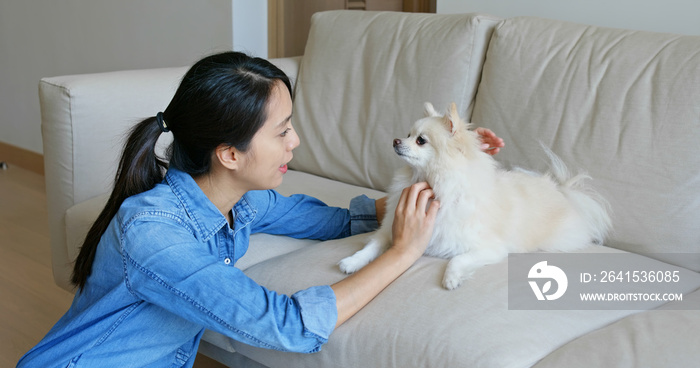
414,322
364,78
638,340
623,105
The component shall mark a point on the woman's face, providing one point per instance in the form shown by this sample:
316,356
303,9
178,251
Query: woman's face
265,161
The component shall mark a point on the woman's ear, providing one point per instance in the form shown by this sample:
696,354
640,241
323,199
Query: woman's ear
228,156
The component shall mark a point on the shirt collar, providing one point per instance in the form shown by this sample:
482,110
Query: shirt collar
243,213
207,218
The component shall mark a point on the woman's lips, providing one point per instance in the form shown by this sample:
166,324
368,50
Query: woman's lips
283,169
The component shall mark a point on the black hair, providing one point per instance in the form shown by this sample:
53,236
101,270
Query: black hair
222,99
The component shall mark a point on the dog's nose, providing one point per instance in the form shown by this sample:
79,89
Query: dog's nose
397,142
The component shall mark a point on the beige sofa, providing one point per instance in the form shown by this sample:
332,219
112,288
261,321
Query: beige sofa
624,105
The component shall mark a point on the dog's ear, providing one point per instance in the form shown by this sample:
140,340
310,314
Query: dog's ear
452,119
430,110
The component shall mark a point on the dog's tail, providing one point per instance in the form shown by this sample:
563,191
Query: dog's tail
593,207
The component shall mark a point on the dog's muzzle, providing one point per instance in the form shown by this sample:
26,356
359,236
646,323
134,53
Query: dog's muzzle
399,148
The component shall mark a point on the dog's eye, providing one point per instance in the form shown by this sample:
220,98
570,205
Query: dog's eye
420,141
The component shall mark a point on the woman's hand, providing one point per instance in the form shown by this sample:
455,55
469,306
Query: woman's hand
414,219
412,228
491,143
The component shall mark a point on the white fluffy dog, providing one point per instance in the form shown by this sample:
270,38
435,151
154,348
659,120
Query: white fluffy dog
486,212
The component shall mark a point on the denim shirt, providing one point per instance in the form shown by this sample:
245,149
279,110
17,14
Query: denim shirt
164,272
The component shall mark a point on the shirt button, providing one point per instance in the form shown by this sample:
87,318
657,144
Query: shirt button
227,260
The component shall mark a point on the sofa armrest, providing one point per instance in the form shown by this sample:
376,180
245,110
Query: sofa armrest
84,120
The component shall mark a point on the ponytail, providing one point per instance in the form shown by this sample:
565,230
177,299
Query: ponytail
140,169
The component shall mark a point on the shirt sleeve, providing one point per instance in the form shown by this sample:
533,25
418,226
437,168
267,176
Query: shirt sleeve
167,266
303,216
363,215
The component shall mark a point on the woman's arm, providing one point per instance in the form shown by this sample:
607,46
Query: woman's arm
412,229
299,216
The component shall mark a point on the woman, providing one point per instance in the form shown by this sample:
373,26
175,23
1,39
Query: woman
165,245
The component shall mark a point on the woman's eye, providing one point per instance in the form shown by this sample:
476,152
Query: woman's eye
284,134
420,141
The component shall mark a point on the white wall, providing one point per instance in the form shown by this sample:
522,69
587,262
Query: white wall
42,38
673,16
250,27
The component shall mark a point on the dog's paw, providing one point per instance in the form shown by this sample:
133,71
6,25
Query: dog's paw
453,279
451,282
351,264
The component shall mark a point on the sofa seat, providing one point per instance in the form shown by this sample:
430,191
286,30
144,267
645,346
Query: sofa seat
657,338
415,322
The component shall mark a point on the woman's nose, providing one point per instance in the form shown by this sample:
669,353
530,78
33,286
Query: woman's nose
295,141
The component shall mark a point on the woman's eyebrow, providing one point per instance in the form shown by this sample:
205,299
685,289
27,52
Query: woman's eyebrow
283,122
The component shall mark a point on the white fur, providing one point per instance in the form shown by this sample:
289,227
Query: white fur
486,212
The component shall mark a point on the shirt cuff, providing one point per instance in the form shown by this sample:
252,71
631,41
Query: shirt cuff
319,312
363,215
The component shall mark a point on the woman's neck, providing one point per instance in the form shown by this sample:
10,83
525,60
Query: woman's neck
221,192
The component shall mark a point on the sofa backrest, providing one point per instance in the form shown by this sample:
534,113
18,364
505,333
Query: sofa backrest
622,105
364,79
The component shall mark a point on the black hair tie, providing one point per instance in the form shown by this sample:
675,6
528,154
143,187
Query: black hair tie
161,123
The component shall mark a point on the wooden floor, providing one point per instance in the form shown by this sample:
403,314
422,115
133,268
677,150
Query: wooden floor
30,302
